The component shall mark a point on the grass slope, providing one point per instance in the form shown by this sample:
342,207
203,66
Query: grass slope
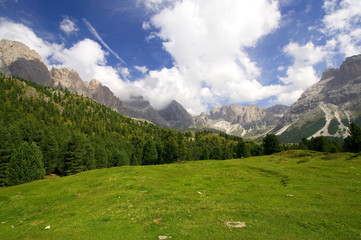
194,200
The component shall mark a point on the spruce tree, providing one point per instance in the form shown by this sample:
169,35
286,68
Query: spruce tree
25,164
120,158
271,144
352,143
75,154
241,150
150,154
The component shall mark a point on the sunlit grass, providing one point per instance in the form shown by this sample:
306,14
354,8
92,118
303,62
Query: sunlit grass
194,200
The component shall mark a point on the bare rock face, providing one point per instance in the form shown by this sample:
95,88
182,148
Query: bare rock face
104,95
3,67
332,103
69,79
11,51
177,116
248,121
138,107
24,62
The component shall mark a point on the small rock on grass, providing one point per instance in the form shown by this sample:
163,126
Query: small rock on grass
236,224
290,195
47,227
164,237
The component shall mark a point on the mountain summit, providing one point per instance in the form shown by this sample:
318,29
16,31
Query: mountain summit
248,121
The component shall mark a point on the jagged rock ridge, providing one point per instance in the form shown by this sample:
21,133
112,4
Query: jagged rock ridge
248,121
19,60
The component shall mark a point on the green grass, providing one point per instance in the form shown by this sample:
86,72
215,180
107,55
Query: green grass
295,133
194,200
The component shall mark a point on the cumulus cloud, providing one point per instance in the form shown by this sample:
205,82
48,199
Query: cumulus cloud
343,23
68,26
155,5
207,40
301,74
142,69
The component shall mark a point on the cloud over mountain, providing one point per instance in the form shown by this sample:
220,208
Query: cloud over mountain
207,40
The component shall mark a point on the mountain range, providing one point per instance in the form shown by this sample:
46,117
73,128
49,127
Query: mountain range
326,108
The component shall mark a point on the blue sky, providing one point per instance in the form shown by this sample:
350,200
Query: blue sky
202,53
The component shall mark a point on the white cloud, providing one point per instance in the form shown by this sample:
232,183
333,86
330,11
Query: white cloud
146,25
155,5
68,26
206,39
142,69
343,24
301,74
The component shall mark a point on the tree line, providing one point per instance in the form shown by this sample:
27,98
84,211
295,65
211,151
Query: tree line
46,130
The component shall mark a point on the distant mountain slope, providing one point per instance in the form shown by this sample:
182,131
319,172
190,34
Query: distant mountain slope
327,107
248,121
177,116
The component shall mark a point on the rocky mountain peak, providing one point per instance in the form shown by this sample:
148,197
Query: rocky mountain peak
23,62
11,51
93,85
332,103
177,116
69,79
351,66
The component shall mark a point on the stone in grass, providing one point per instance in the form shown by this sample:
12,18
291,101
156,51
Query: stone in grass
164,237
236,224
290,195
47,227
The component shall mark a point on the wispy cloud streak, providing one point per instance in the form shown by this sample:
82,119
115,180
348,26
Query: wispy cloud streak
95,33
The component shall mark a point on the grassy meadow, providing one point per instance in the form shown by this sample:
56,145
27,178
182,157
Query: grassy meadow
290,195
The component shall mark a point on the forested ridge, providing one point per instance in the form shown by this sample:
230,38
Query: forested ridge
46,130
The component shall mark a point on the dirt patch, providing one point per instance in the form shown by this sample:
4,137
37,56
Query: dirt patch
157,220
52,175
35,223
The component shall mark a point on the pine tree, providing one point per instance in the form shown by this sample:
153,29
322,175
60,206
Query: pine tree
75,154
271,144
150,154
120,158
241,150
352,143
25,164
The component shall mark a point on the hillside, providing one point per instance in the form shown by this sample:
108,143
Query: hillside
74,133
291,195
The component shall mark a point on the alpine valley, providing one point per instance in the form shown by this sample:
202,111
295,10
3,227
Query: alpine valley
324,109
